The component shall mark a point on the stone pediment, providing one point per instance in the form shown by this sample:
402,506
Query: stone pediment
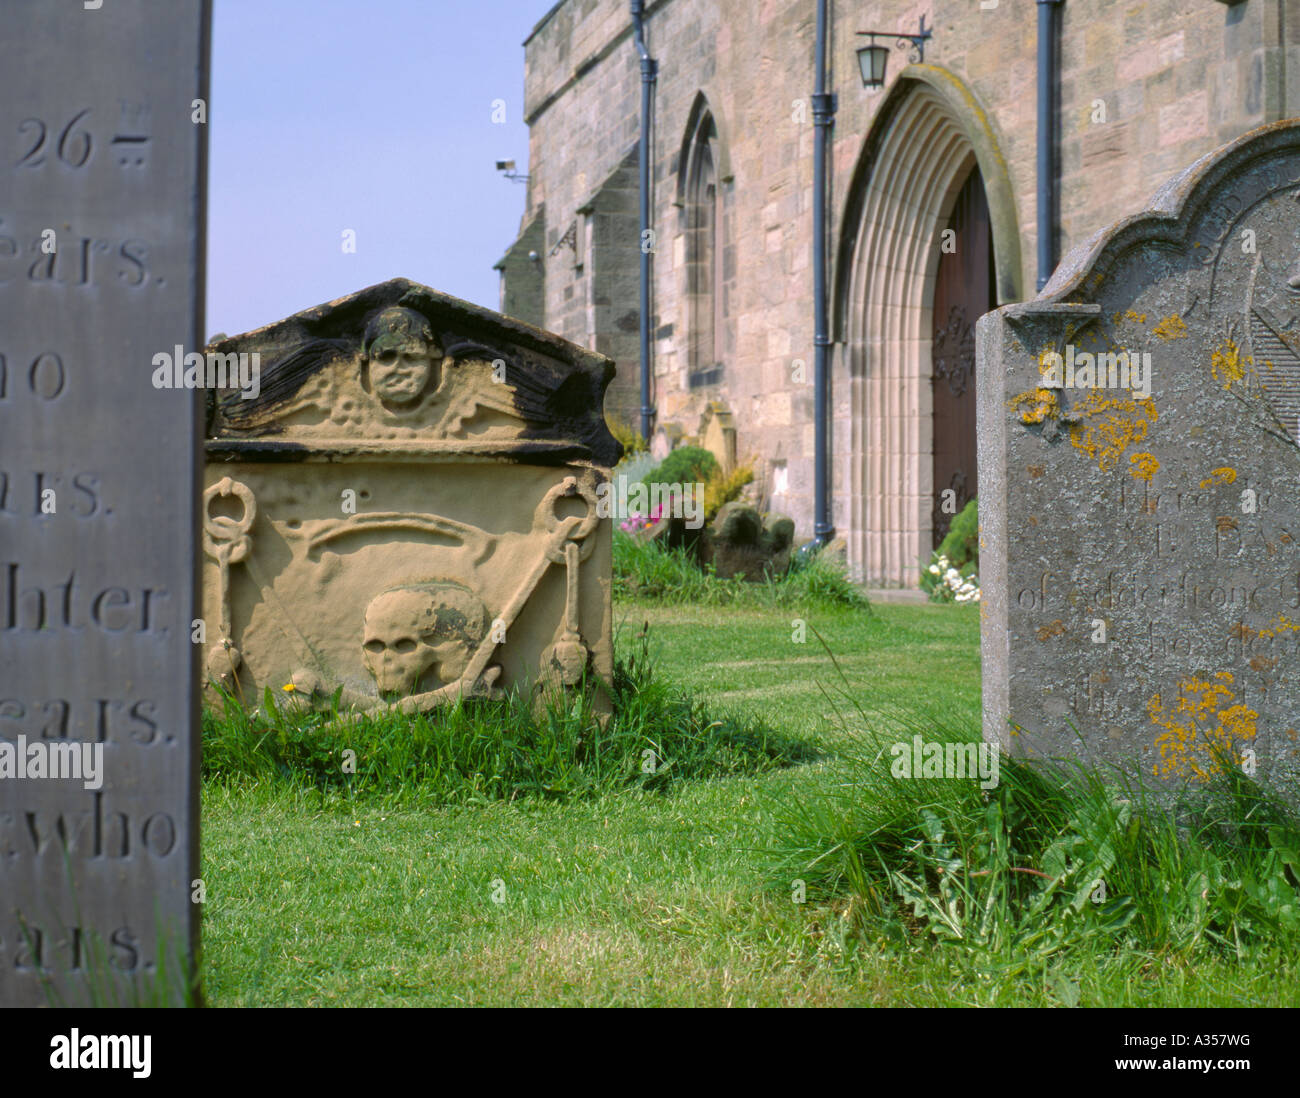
399,370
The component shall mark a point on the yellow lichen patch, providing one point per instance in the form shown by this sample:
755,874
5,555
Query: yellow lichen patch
1144,466
1172,327
1137,318
1035,406
1225,474
1281,626
1202,728
1109,426
1053,629
1227,363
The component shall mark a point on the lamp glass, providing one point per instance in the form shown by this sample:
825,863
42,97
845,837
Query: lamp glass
872,61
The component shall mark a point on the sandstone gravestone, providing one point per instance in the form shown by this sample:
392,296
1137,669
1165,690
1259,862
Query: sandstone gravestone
743,542
717,434
1139,463
406,513
101,234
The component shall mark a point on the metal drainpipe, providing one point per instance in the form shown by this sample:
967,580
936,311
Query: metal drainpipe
823,106
649,70
1047,28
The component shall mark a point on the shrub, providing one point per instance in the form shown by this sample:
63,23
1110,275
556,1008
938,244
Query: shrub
628,435
961,544
643,570
959,550
951,584
685,465
635,468
723,488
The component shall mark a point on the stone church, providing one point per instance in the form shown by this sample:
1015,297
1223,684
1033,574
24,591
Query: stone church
932,210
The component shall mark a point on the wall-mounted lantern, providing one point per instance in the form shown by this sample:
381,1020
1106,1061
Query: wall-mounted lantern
873,59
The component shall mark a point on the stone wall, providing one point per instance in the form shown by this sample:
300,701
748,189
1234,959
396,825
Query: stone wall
1145,90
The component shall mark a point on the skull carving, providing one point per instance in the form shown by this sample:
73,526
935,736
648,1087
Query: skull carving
413,635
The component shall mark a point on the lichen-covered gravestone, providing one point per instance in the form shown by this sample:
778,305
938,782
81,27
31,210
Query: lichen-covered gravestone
404,511
101,241
1140,484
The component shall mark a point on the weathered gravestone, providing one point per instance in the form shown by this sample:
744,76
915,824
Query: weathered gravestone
743,542
101,234
1140,484
408,511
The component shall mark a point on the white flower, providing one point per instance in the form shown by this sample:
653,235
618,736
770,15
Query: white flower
934,569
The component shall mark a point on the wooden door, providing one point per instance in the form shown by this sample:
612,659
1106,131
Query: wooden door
963,292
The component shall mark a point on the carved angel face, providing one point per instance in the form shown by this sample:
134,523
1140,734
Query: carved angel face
413,635
402,356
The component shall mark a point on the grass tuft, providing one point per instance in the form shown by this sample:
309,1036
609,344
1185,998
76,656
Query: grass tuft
478,750
648,573
1055,862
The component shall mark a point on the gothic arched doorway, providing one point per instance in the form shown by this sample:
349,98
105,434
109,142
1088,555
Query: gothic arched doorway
929,164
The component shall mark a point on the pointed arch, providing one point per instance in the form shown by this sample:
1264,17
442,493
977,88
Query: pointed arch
701,171
926,139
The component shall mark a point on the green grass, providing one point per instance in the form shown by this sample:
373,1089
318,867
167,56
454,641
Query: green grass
621,893
1052,866
646,573
478,751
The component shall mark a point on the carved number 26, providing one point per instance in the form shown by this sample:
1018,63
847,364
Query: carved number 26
73,148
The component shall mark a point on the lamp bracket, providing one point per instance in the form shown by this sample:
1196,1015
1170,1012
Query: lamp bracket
915,41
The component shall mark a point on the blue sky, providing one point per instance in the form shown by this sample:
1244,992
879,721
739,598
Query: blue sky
369,115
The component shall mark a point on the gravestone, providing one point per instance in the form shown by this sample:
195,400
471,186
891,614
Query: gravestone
101,244
717,434
741,541
1139,428
667,437
405,511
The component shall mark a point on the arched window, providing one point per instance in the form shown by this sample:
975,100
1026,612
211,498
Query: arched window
702,209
